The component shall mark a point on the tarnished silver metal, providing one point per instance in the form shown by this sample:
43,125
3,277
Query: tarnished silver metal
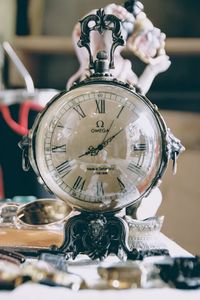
175,148
102,23
98,229
96,235
24,145
8,213
101,65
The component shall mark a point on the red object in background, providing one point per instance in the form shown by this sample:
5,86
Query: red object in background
20,127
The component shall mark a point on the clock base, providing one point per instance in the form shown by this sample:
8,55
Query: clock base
98,235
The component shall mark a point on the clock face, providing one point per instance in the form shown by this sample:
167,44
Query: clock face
98,147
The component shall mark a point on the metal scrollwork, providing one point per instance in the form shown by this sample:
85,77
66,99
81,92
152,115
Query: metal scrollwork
24,145
174,149
96,235
101,22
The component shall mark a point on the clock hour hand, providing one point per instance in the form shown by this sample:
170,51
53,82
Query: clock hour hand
91,151
94,151
106,142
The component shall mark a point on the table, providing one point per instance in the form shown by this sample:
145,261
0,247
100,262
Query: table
32,291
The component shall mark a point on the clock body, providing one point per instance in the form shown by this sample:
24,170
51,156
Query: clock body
100,146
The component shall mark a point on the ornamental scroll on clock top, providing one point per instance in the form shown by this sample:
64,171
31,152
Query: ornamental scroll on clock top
141,38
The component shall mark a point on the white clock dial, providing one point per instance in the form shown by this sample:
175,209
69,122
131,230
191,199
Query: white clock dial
98,147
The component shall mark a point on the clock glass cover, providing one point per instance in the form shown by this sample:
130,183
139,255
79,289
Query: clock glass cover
99,147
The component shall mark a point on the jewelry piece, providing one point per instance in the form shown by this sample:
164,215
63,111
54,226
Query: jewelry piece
12,256
57,261
38,224
181,272
122,275
42,272
34,213
8,213
10,273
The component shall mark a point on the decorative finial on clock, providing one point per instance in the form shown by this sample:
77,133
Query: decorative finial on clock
101,64
101,22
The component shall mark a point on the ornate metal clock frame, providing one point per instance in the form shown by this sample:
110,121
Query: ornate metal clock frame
98,234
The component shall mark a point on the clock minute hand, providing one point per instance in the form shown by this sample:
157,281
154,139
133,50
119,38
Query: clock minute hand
106,142
91,151
108,131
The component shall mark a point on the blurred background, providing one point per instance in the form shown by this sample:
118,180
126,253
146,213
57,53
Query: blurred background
40,30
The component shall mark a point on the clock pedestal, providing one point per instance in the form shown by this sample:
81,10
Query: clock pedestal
98,235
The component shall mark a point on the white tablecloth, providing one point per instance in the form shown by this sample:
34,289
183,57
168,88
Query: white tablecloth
31,291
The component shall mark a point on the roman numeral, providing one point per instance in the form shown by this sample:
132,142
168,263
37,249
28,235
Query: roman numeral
59,149
121,184
100,106
120,112
79,183
139,147
100,188
80,111
135,169
64,168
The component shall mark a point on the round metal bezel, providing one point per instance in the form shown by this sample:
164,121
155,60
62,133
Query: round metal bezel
109,81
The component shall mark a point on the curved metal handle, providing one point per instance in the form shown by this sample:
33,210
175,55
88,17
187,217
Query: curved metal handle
20,67
101,22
